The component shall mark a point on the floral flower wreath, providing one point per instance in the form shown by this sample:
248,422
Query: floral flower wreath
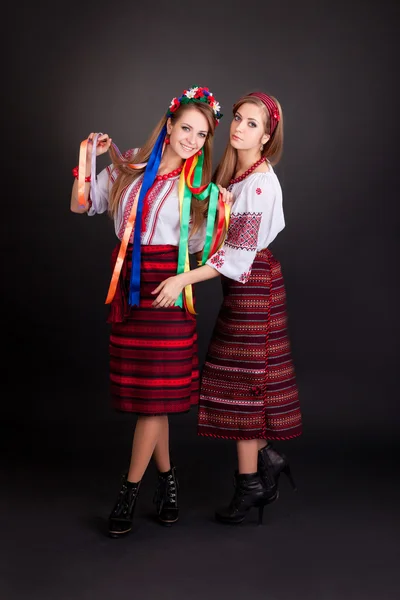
196,94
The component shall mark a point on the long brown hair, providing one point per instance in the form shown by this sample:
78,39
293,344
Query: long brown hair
126,175
272,149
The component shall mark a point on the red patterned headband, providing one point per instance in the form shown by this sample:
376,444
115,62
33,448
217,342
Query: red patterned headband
274,116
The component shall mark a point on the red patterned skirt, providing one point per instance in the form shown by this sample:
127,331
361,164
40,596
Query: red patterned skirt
153,351
248,387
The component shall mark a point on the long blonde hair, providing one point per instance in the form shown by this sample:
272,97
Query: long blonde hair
272,149
126,175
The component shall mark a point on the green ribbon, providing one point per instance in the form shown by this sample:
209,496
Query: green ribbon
184,235
212,192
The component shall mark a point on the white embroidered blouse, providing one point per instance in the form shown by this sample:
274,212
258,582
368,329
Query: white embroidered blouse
162,224
256,219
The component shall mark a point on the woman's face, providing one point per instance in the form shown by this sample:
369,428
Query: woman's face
188,134
248,127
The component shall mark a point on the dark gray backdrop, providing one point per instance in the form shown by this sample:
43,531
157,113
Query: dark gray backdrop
78,67
95,66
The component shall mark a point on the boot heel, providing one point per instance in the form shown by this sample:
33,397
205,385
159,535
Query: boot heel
286,469
260,514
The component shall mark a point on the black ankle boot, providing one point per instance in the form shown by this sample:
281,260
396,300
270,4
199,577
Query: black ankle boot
278,463
267,475
120,520
249,492
166,497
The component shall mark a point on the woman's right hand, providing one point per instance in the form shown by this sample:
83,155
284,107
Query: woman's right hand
102,146
227,197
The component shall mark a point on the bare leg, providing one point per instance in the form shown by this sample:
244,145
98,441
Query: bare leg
262,444
247,456
147,433
161,450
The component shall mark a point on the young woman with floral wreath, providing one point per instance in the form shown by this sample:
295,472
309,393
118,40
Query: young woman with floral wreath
163,208
248,386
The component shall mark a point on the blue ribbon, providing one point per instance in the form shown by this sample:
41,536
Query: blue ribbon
148,180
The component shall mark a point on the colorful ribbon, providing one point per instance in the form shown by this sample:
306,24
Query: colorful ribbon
122,251
148,180
193,168
189,184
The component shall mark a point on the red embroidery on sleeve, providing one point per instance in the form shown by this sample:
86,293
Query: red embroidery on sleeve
218,258
244,277
243,231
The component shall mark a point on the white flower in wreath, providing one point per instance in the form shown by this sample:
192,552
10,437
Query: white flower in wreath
191,93
216,107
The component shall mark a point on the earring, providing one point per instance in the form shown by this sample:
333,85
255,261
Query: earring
167,141
199,153
262,147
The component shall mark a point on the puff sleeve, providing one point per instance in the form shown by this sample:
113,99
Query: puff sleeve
256,219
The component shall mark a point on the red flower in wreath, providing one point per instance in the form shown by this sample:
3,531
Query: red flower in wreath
199,92
175,104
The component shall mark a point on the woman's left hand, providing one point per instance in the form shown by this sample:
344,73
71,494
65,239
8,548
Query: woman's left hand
168,292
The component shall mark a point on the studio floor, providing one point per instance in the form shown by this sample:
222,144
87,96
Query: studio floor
336,538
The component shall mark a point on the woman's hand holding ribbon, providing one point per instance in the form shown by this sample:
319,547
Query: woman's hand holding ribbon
102,146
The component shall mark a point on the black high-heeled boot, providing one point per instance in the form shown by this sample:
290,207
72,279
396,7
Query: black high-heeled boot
166,497
249,493
120,520
278,463
267,475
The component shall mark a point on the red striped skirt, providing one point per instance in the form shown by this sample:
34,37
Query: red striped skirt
248,387
153,351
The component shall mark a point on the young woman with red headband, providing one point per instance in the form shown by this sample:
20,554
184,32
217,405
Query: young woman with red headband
248,386
163,208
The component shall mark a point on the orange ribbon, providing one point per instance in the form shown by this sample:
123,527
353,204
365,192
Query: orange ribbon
81,174
122,250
